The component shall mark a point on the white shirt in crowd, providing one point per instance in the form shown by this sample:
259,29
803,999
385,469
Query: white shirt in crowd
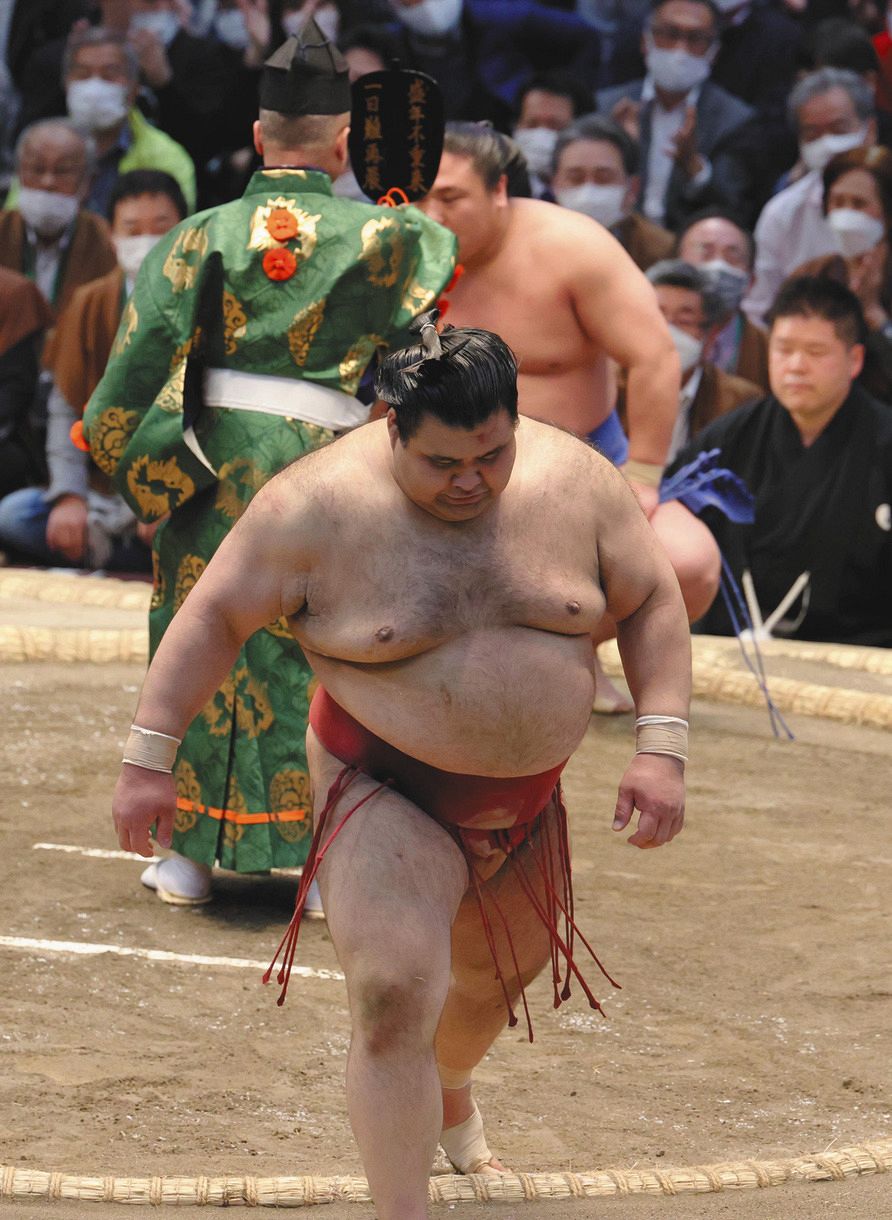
664,127
681,433
790,231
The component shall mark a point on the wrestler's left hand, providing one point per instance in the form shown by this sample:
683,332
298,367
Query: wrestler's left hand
143,799
654,785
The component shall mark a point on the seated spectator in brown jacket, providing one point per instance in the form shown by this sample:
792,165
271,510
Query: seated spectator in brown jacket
24,316
716,242
48,236
596,172
77,519
858,207
694,312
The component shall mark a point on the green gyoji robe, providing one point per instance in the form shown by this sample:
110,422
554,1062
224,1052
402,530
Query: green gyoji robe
313,287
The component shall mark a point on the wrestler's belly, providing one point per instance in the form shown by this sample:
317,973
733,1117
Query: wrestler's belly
500,701
578,399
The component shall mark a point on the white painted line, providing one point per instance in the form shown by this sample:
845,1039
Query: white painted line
100,853
79,948
96,853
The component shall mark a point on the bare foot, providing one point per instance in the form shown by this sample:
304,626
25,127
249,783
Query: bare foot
462,1137
609,700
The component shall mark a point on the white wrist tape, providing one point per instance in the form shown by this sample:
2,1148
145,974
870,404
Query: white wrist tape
646,473
154,751
662,735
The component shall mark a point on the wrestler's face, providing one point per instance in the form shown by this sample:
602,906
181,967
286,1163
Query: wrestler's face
455,474
811,368
462,201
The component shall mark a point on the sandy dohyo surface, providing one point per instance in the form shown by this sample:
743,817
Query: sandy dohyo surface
754,1022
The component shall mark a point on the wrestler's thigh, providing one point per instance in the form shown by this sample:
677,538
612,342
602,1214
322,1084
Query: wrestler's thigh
393,878
471,957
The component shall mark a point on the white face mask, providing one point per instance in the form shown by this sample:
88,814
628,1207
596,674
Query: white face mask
689,349
537,145
727,282
328,20
48,213
855,231
230,28
131,251
602,203
816,153
164,24
677,71
431,17
96,104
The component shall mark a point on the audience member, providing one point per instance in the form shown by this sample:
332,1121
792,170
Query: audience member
694,312
858,206
367,48
757,62
547,103
34,47
101,82
48,235
686,124
189,77
882,44
24,317
482,51
817,455
78,519
840,43
716,242
596,173
833,111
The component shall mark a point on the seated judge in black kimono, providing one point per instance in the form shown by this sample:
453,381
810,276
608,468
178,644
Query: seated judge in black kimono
817,455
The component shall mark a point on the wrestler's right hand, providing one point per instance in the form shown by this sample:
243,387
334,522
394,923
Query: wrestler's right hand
143,799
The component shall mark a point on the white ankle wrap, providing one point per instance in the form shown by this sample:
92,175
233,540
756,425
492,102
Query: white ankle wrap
465,1145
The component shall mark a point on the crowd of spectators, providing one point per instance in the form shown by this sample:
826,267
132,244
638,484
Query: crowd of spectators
731,146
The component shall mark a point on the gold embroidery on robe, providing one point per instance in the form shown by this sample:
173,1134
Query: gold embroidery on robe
302,331
179,267
170,397
417,298
188,571
236,477
158,487
382,250
128,324
109,436
353,365
235,322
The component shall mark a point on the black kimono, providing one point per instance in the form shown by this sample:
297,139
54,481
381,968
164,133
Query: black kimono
824,509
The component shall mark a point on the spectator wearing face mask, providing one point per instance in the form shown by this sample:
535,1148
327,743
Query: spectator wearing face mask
482,51
32,50
687,125
694,312
724,251
547,104
833,112
596,173
858,206
187,75
101,75
45,233
77,519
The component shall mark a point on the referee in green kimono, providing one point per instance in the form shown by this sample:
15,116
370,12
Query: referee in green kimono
241,349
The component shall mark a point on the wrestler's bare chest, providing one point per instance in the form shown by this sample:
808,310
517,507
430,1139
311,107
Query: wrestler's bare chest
468,648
